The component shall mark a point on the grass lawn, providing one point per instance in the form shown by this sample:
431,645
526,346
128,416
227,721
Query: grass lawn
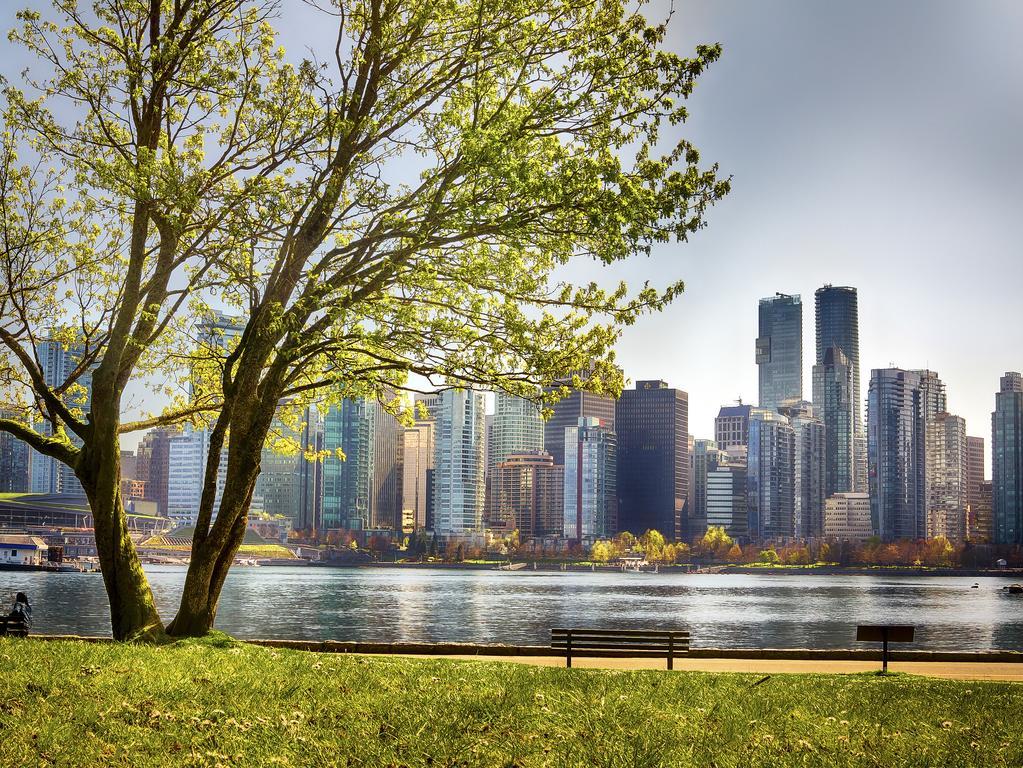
217,703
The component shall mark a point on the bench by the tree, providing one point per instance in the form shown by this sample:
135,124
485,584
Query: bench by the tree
13,627
656,643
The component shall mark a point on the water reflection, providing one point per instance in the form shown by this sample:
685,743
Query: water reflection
490,606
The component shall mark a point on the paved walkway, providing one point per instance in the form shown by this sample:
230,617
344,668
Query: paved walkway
973,670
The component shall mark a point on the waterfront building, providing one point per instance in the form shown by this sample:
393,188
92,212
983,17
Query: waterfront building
385,500
727,489
779,350
833,401
704,459
188,453
518,428
946,476
975,475
152,464
15,459
837,325
348,467
417,476
900,405
288,480
59,363
652,427
1007,460
591,488
981,528
459,489
528,495
309,515
847,517
809,469
566,413
771,477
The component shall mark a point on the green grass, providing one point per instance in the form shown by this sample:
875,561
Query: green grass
216,703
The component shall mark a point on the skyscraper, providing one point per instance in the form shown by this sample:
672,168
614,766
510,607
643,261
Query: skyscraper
900,404
731,426
518,428
528,495
1007,460
590,481
946,457
703,460
975,475
288,482
808,469
727,496
14,458
771,477
152,464
348,477
459,488
385,499
779,350
417,475
837,325
652,425
567,412
834,404
59,362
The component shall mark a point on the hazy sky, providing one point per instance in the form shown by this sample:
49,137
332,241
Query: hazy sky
872,144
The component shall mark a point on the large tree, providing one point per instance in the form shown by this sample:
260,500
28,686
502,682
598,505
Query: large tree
416,207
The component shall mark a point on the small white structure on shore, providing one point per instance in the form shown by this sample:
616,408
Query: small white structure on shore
22,550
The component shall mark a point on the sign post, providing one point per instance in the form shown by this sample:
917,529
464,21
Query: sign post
884,633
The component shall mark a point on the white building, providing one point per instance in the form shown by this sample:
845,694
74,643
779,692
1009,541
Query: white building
459,490
847,517
591,475
186,471
23,550
417,470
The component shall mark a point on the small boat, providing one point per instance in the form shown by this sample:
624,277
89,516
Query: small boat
1014,589
511,567
975,586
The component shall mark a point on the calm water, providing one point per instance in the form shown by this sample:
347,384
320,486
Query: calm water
521,607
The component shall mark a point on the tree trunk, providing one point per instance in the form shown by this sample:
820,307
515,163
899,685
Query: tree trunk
212,558
133,614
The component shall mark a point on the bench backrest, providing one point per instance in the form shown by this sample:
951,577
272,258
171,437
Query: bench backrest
657,642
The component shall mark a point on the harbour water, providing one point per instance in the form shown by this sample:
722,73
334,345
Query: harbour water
430,605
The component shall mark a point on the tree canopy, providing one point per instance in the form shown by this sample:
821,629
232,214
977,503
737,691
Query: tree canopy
395,213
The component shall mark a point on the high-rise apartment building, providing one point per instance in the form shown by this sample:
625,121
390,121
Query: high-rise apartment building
837,325
459,489
348,467
982,521
703,459
417,475
518,428
1007,460
833,401
385,500
808,469
731,425
727,495
567,412
975,474
779,350
946,475
900,405
591,488
15,459
771,477
652,425
847,517
188,453
288,482
59,362
152,464
528,495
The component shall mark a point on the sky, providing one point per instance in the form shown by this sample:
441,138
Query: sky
871,144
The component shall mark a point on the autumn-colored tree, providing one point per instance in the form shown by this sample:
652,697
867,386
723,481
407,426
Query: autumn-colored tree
195,169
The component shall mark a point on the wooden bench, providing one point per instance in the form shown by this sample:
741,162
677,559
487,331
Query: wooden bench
656,643
13,627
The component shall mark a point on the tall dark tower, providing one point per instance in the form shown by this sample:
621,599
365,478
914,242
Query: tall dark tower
837,317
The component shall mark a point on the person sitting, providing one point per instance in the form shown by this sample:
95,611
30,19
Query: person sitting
20,618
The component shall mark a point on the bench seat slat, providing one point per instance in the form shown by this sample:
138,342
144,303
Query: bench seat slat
661,649
629,632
